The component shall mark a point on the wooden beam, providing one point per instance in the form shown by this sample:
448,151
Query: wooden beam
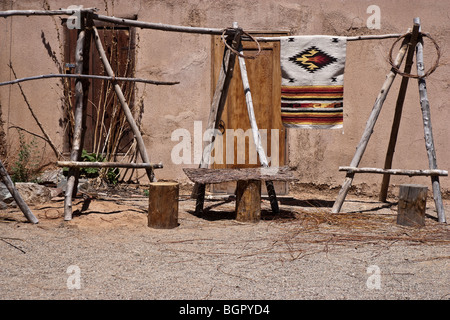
211,176
80,164
395,171
398,112
60,12
159,26
123,103
88,76
370,124
355,38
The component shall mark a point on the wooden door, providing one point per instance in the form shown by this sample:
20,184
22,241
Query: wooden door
264,75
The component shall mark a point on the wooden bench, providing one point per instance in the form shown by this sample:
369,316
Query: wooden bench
248,189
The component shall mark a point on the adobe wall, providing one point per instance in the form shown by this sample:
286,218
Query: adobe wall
316,154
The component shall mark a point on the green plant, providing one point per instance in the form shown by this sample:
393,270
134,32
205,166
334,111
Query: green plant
110,175
25,167
90,157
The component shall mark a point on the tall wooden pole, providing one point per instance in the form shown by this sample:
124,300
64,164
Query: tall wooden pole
256,136
81,90
369,129
123,103
217,107
398,112
428,133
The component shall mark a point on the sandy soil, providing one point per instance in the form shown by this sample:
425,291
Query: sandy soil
302,253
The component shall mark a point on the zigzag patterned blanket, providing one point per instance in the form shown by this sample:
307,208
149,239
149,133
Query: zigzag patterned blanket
312,84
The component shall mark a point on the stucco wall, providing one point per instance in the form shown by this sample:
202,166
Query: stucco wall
186,58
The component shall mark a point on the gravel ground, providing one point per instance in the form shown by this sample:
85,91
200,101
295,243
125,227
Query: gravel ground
303,253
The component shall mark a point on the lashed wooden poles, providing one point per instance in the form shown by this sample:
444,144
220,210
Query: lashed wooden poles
428,133
398,112
369,129
256,136
81,87
123,103
16,195
217,107
161,26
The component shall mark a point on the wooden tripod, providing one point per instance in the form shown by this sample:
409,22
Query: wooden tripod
410,44
217,107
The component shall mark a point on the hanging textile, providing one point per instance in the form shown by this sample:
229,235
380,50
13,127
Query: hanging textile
312,84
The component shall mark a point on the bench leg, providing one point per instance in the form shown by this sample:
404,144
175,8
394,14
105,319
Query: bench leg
272,197
248,200
200,196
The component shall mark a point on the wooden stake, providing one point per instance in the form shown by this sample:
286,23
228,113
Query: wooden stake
411,205
428,133
163,205
248,200
16,195
81,88
369,129
123,103
398,112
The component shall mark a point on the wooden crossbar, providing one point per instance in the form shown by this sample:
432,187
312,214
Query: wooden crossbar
396,171
80,164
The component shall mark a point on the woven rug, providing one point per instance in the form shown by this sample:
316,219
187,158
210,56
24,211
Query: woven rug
312,84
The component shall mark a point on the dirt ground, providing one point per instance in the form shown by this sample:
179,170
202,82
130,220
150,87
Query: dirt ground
108,252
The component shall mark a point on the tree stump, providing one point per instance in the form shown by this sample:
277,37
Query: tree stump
411,205
163,205
248,200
